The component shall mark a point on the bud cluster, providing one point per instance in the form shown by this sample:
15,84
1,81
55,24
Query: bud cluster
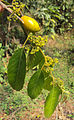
17,7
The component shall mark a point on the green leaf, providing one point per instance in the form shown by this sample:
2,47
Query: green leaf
35,59
47,83
41,62
48,78
17,69
46,74
36,84
63,7
51,101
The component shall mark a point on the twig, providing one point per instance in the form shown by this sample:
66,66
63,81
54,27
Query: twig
25,42
9,6
21,13
11,11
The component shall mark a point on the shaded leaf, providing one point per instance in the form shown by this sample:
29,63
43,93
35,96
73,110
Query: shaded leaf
36,84
51,101
46,74
41,62
48,78
17,69
47,83
34,59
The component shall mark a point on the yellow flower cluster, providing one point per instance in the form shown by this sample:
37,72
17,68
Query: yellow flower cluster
49,63
34,50
60,83
38,40
17,7
55,60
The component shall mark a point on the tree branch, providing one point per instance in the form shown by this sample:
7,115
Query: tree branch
11,11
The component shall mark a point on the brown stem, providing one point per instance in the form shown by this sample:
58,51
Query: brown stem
11,11
9,6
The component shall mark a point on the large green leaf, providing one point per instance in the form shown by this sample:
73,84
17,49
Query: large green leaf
36,84
17,69
35,59
51,101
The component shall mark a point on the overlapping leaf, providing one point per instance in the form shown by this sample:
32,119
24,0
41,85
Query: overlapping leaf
17,69
35,59
52,101
48,79
47,83
36,84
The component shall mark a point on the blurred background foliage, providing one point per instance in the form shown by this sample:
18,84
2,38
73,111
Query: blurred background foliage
53,15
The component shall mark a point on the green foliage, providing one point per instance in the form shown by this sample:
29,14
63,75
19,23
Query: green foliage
17,69
35,59
65,9
51,101
36,84
55,16
3,66
48,82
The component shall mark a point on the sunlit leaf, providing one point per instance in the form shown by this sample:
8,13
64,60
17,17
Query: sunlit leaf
36,84
52,101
